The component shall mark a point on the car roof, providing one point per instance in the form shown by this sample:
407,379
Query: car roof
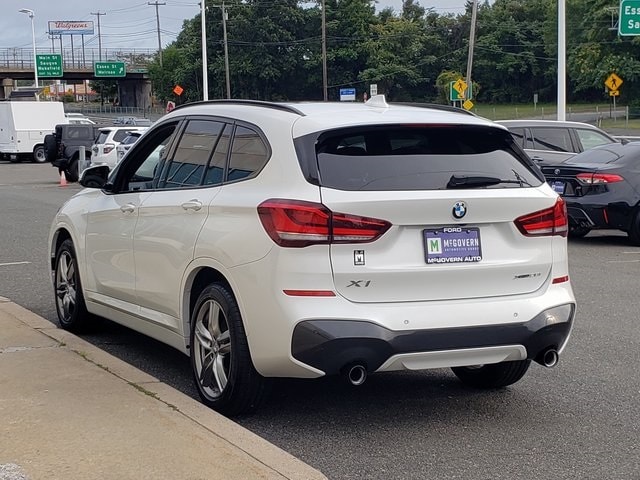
545,123
309,117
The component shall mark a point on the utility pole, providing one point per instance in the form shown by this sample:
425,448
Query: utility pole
99,14
52,38
472,41
226,50
157,4
562,63
324,52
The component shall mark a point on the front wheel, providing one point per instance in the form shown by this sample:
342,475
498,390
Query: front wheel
495,375
220,359
70,305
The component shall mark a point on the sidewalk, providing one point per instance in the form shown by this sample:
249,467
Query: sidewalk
69,410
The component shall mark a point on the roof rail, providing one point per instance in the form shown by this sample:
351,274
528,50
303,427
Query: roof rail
437,106
256,103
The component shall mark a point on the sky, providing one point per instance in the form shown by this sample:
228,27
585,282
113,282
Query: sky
128,24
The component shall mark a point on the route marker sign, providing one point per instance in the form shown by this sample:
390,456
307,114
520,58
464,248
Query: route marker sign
613,82
49,65
109,69
629,19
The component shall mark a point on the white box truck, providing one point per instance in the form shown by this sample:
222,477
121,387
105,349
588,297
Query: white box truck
23,125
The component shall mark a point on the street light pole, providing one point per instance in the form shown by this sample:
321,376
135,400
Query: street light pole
33,41
205,79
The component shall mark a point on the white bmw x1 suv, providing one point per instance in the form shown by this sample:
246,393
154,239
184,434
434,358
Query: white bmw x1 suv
302,240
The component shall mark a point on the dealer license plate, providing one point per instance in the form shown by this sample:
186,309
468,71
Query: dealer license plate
452,245
558,187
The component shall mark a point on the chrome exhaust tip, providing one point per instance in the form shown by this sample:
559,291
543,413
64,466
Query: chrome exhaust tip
549,358
356,374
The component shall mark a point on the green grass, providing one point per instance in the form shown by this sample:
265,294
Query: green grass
543,111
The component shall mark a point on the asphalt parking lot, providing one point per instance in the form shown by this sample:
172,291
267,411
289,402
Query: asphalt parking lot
578,420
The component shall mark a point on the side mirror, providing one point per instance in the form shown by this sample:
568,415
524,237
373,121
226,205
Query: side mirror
94,177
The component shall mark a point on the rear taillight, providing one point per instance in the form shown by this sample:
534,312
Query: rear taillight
108,147
550,221
295,223
598,178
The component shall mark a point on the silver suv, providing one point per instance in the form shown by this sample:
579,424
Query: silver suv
551,141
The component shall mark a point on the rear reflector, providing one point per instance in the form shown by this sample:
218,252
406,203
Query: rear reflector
296,223
598,178
310,293
561,279
551,221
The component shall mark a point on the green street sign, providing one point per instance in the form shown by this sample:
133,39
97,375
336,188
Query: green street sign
629,19
455,96
109,69
49,65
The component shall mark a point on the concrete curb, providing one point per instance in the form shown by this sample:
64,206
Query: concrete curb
265,453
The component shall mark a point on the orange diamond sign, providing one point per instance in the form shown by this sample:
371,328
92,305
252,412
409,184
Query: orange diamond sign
178,90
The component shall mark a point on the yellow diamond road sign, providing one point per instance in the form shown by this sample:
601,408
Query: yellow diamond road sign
468,105
613,82
460,86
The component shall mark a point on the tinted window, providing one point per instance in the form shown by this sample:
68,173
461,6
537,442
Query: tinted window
591,138
248,154
420,158
556,139
192,154
518,136
215,170
102,137
78,133
120,135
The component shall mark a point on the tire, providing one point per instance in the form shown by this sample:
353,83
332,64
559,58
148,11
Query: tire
220,359
71,173
496,375
39,154
634,231
50,147
578,232
70,304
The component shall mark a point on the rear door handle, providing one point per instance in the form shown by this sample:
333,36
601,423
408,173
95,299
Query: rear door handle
192,205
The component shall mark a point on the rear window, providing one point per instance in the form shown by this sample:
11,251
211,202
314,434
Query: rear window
119,135
102,137
419,158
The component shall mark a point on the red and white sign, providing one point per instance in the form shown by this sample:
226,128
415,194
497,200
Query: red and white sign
170,106
67,27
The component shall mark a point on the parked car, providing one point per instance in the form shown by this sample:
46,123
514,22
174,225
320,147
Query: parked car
303,240
126,143
549,142
63,147
141,122
103,151
78,118
602,189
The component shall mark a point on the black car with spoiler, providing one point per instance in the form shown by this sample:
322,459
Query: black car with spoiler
601,188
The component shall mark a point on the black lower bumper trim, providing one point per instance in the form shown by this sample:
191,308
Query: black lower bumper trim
329,345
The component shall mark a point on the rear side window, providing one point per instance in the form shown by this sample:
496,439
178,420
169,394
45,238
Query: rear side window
120,135
591,138
420,158
102,137
248,154
554,139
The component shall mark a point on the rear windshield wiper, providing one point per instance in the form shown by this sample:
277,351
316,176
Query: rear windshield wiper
463,181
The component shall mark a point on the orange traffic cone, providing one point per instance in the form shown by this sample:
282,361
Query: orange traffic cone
63,179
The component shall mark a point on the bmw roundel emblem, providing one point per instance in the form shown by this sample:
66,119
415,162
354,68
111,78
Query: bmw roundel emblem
459,210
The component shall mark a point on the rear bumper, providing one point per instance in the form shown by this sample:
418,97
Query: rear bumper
617,215
331,345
